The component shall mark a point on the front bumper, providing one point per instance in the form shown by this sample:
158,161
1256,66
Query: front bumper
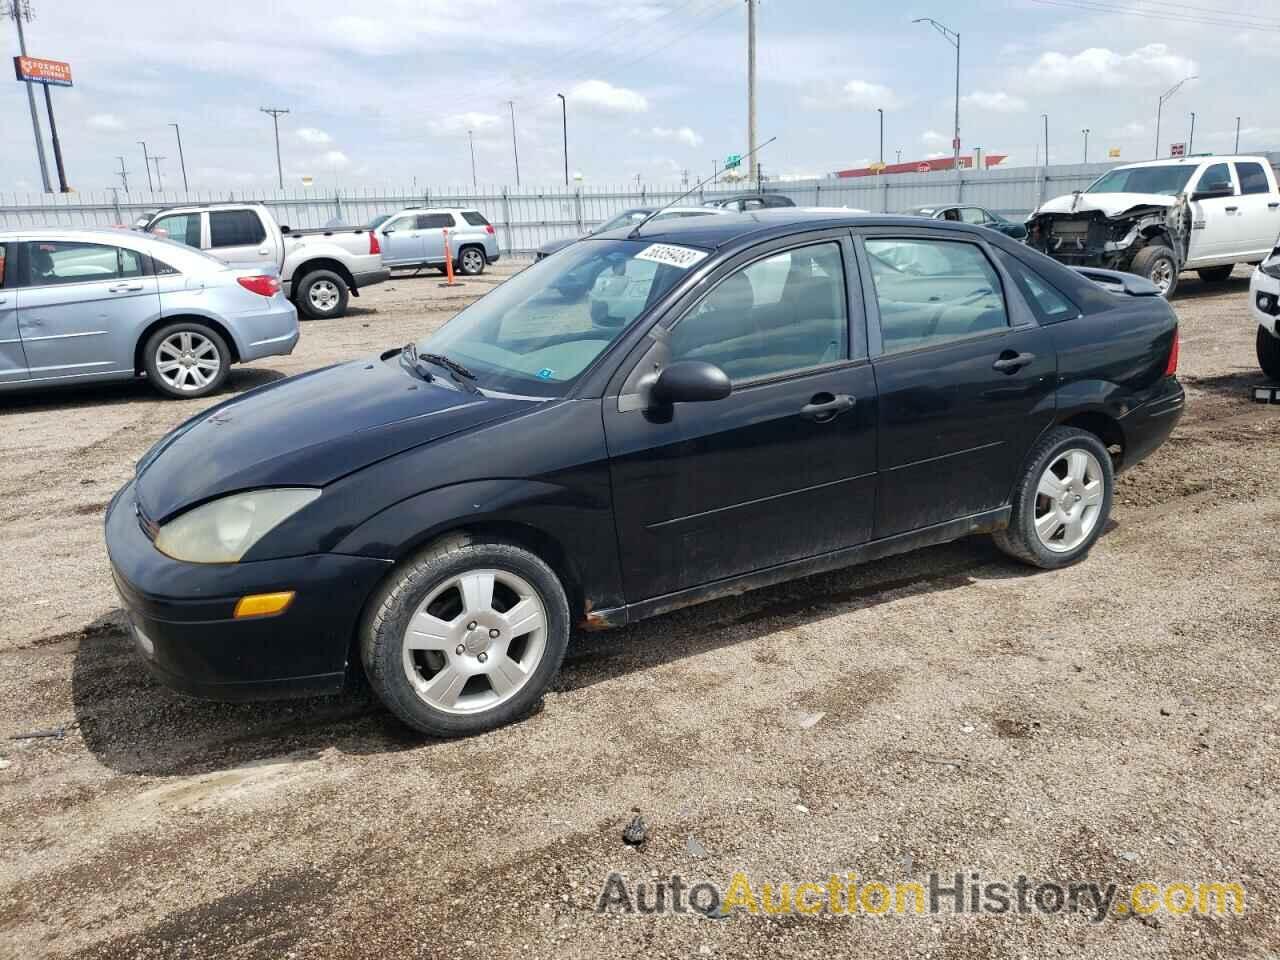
371,277
1264,301
185,631
1148,425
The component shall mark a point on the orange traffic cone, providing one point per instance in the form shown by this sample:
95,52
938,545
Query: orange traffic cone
448,264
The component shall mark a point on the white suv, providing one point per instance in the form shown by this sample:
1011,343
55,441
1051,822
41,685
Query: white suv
414,237
1264,298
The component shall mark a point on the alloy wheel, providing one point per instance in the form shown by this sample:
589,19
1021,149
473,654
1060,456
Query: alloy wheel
187,361
472,262
1068,500
324,295
1162,276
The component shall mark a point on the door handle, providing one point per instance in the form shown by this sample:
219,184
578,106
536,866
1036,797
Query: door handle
825,407
263,251
1011,362
1273,204
1232,209
124,287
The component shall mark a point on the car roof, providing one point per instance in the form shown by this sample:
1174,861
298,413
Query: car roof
1194,160
114,235
714,232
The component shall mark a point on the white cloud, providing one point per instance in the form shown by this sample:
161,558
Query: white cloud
313,136
683,135
598,93
860,93
995,101
936,155
462,122
333,160
1098,68
105,121
932,138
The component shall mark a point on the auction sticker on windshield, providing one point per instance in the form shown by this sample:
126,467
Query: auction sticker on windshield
671,255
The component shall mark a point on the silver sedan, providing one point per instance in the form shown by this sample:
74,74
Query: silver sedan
80,306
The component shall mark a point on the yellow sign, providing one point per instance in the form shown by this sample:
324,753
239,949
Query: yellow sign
877,167
1114,152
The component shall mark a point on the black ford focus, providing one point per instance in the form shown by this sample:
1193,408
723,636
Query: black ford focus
711,405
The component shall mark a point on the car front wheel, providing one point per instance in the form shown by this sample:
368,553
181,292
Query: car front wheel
1062,501
1158,265
466,636
1269,353
186,360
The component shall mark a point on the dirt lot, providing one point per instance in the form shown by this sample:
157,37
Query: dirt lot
943,711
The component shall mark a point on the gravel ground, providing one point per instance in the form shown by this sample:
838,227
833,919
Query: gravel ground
943,711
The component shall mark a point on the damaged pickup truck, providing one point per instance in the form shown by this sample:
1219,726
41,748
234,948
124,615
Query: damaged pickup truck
1159,218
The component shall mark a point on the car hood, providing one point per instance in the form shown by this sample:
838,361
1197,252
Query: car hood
551,246
307,431
1110,204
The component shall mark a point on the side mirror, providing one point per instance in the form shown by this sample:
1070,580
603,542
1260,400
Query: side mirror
387,231
284,228
690,381
1211,191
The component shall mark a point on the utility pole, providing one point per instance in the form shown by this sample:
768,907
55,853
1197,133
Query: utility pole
1191,140
181,159
1085,131
881,112
159,183
57,145
952,38
1160,107
276,113
1237,149
146,165
753,172
564,126
1045,117
123,175
471,138
515,149
20,10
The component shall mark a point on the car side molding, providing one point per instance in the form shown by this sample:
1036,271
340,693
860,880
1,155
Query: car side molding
986,522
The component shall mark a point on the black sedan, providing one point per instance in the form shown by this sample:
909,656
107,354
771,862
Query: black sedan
736,401
968,213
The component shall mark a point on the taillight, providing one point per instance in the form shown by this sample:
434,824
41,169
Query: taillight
1171,367
262,286
488,228
374,246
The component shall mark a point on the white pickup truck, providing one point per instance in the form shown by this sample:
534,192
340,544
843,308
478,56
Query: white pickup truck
319,269
1156,219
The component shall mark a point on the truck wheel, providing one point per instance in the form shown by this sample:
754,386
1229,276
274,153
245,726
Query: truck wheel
470,261
1062,501
1269,353
322,295
1158,264
1216,274
186,360
466,636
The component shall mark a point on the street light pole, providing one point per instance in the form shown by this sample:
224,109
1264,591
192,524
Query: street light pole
181,159
564,126
146,165
472,139
515,150
1237,149
1160,107
952,38
1191,140
899,153
881,112
276,113
159,183
20,10
123,175
1085,131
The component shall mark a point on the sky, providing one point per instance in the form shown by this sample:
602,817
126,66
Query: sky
383,94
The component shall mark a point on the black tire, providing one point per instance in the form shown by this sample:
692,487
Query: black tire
322,295
1152,262
1020,539
383,631
163,381
471,261
1269,353
1216,274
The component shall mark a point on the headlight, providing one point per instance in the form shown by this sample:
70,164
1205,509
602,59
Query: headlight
224,530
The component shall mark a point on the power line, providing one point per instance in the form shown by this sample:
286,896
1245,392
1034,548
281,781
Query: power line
1226,20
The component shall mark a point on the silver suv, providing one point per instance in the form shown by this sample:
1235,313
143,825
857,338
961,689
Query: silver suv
414,237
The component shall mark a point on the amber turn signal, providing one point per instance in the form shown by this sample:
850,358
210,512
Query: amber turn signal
263,604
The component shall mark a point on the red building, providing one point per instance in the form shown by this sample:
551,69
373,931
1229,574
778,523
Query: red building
926,166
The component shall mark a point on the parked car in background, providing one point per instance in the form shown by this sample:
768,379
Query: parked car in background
414,237
319,269
1264,298
83,306
968,213
1156,219
626,218
378,221
787,401
741,202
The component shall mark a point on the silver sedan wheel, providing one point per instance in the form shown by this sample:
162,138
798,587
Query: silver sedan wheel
475,641
187,361
1068,500
1162,274
324,295
472,261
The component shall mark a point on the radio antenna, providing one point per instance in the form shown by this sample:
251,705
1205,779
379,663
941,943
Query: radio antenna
697,186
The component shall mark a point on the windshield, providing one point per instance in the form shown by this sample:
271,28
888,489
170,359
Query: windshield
537,333
1170,179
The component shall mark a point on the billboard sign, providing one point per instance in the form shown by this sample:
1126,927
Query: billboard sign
54,72
1177,149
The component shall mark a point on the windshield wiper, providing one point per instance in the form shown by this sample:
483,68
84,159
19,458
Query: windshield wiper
440,360
410,352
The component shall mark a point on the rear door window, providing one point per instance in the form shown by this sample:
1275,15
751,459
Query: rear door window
1047,302
1253,179
934,291
56,262
182,227
235,228
973,215
475,219
435,221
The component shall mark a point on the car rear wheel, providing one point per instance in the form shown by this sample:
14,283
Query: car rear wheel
1062,501
465,637
323,295
471,261
1216,274
1269,353
1158,264
186,360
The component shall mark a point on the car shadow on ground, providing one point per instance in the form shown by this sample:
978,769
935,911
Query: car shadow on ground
34,400
1191,287
133,725
1236,386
